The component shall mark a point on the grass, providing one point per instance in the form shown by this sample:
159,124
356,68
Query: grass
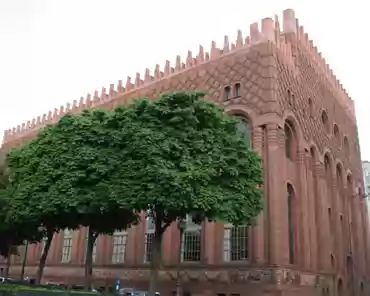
23,289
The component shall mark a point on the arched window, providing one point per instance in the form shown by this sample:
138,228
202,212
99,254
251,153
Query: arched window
289,93
289,141
67,246
237,90
245,128
290,192
346,146
310,107
325,121
191,241
336,133
332,261
227,94
312,157
339,176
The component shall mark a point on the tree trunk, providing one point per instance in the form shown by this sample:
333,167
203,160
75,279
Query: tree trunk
40,270
178,279
8,262
88,261
25,254
157,257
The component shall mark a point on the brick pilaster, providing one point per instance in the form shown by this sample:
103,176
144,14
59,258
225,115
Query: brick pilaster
277,197
311,201
324,239
209,242
258,235
337,222
305,246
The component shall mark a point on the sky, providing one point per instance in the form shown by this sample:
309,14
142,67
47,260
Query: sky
55,51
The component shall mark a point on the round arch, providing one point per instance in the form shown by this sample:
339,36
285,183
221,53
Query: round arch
349,180
289,116
242,111
336,133
325,121
339,172
346,146
290,184
245,126
291,140
314,152
329,160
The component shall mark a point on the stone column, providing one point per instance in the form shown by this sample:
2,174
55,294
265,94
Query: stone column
324,237
258,235
303,210
277,197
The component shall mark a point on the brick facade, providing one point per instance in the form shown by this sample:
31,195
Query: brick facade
303,125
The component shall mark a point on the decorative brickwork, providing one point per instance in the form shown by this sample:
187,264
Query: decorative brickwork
304,127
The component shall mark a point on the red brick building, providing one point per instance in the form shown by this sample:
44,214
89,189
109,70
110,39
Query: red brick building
313,236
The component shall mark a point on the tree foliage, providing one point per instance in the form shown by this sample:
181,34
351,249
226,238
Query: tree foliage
62,177
13,232
175,157
183,156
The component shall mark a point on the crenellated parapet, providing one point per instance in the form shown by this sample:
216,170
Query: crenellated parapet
268,30
291,25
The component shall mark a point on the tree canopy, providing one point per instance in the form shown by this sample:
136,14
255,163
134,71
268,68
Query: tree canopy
181,156
62,178
176,157
13,231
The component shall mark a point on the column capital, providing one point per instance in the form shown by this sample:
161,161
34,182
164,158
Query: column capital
281,137
272,133
258,139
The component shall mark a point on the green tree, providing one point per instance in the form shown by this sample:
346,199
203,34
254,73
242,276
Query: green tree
182,156
31,201
13,232
63,177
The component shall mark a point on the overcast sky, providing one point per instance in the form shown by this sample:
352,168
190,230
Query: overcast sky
55,51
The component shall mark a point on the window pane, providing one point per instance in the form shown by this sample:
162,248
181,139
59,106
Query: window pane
236,243
149,237
245,128
191,245
119,248
67,250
